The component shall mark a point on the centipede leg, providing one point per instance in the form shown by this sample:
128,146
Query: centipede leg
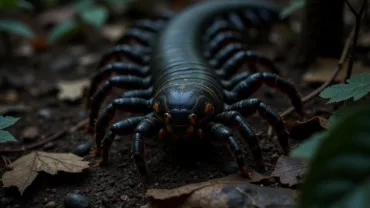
252,83
221,133
250,106
136,54
125,82
122,104
250,57
117,68
148,127
121,128
233,119
220,41
232,82
145,94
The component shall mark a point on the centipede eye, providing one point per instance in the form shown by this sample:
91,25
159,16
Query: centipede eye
192,118
167,118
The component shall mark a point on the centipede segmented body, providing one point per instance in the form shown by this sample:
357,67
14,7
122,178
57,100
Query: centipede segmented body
181,73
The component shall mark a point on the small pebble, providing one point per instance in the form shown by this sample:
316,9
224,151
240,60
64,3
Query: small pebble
110,193
82,149
62,64
30,133
45,113
76,201
50,204
123,197
231,167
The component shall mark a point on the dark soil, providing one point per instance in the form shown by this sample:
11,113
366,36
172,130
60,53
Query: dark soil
117,185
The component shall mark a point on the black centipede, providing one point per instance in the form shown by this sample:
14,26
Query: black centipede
181,72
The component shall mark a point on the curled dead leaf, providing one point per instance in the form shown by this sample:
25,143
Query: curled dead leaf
302,130
72,90
232,191
290,170
25,169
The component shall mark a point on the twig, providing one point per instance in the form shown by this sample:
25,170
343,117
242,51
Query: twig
53,137
358,15
336,71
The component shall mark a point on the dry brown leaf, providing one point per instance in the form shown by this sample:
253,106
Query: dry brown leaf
302,130
322,70
113,32
72,90
290,170
232,191
25,169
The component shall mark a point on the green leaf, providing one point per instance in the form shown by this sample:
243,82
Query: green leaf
11,4
339,173
307,149
82,5
293,6
5,136
6,121
358,86
95,16
16,27
62,30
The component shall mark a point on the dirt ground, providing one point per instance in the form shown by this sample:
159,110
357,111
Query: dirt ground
117,184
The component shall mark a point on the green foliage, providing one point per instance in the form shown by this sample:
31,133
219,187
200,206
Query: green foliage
357,87
11,4
293,6
6,121
339,173
89,12
95,16
62,30
16,27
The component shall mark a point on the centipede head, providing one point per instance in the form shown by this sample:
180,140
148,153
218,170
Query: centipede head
182,111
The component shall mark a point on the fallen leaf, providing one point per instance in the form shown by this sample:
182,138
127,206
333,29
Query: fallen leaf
232,191
5,109
323,68
72,90
25,169
290,170
302,130
161,194
113,32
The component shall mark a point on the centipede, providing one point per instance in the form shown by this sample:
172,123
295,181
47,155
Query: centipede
181,73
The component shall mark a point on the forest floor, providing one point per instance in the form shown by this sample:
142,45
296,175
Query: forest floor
31,80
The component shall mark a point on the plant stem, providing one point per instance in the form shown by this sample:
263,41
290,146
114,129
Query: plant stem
358,16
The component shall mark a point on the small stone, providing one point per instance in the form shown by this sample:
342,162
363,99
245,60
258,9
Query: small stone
230,167
45,113
76,201
88,60
124,198
275,156
82,149
50,204
110,193
30,133
62,64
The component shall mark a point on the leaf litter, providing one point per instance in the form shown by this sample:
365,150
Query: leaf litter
72,90
290,170
230,191
25,169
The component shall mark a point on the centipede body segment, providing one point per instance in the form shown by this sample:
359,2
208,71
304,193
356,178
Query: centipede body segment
181,72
